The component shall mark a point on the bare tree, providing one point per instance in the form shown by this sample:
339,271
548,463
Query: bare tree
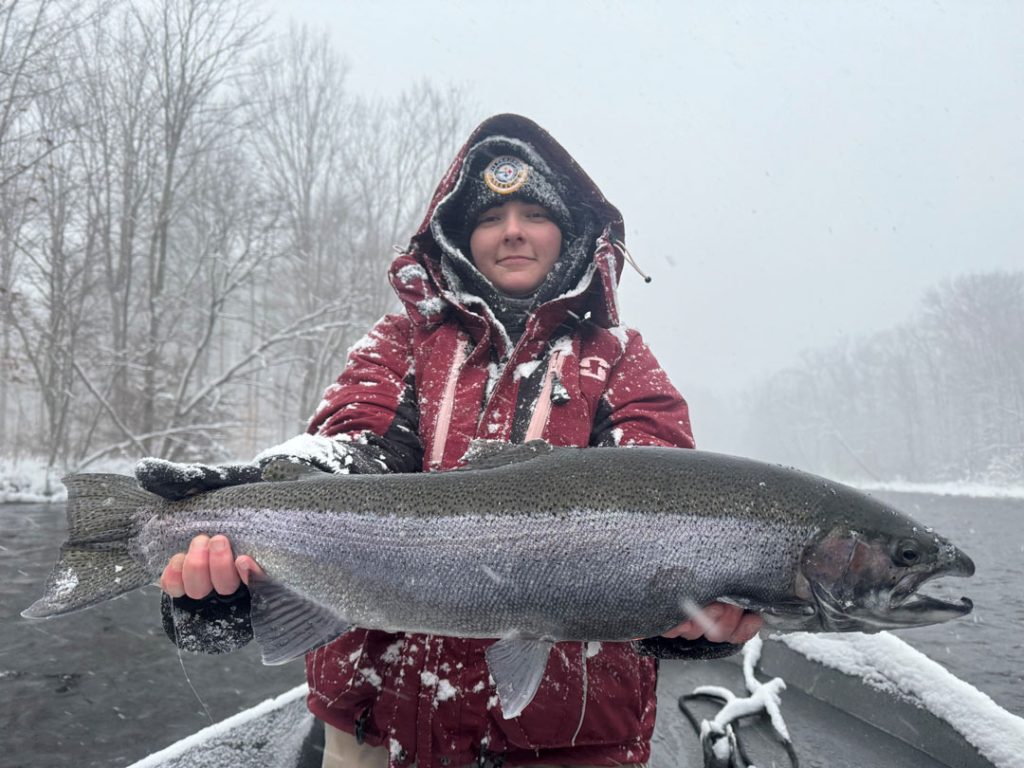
183,268
975,327
198,47
352,176
31,32
26,37
57,250
300,115
938,398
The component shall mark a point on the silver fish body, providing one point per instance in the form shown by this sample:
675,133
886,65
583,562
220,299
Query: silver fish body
530,544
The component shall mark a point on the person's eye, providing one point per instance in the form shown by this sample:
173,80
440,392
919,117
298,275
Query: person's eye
538,215
487,218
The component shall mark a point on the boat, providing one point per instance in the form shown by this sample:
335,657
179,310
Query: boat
844,701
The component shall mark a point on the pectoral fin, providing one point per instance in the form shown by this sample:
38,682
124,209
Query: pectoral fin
517,665
286,625
795,609
833,616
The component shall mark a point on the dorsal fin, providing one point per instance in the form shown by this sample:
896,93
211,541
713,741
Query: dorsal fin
281,470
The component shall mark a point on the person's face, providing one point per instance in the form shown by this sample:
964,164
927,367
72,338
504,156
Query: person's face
515,245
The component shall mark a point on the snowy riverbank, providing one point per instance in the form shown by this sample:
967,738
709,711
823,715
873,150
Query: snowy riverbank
27,481
958,488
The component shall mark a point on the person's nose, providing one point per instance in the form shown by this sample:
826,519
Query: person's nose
513,227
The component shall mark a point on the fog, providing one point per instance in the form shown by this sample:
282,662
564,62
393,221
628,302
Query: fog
790,173
828,196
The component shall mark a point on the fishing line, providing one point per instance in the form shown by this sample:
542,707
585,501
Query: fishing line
181,661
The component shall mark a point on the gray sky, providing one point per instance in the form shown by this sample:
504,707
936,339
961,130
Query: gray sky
790,171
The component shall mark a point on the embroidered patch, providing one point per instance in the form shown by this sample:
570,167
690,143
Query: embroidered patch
595,368
506,174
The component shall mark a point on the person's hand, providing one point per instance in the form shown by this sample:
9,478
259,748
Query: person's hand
208,566
175,481
719,623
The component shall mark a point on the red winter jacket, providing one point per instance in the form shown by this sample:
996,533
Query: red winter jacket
420,387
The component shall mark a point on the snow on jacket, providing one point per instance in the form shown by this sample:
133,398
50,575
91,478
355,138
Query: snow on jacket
416,391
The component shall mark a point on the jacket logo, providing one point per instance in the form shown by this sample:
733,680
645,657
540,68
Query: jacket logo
594,368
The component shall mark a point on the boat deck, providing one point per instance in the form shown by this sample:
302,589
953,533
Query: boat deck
835,720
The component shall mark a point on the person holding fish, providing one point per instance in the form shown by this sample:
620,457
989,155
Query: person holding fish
510,332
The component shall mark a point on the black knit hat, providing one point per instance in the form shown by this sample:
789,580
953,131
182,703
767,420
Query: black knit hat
496,170
494,180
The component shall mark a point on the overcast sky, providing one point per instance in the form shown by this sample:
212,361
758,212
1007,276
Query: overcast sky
789,172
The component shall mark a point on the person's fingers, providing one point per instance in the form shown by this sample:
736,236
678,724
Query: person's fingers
246,566
699,625
196,572
223,575
748,627
725,625
170,579
719,623
680,630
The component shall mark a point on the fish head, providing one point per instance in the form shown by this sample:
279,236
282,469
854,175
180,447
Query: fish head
865,579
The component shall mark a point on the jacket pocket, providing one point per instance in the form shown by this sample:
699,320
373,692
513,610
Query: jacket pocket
331,670
346,675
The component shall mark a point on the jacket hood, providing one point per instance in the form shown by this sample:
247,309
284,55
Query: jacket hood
417,274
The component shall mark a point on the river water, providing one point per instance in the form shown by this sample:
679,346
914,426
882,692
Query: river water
105,687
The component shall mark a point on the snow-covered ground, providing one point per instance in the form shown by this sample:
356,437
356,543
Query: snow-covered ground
29,481
960,488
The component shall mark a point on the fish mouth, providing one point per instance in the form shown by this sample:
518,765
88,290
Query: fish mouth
912,609
921,610
880,611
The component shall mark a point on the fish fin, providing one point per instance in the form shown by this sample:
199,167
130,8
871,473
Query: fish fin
282,470
794,608
517,665
95,563
491,454
285,624
831,615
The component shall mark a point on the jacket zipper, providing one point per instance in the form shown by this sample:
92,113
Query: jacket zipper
542,411
444,415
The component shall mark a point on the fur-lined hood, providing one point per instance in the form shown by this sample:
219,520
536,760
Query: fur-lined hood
417,275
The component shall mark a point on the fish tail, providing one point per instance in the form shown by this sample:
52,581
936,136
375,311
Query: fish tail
95,563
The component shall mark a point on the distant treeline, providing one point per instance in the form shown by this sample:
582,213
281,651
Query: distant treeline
195,222
196,218
940,397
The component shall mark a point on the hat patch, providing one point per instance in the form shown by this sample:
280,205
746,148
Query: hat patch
506,174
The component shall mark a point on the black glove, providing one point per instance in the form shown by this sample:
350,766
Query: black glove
215,624
340,455
680,648
175,481
179,481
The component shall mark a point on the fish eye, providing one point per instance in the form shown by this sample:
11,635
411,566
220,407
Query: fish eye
907,552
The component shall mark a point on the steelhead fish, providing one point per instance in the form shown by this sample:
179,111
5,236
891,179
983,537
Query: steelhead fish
529,544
